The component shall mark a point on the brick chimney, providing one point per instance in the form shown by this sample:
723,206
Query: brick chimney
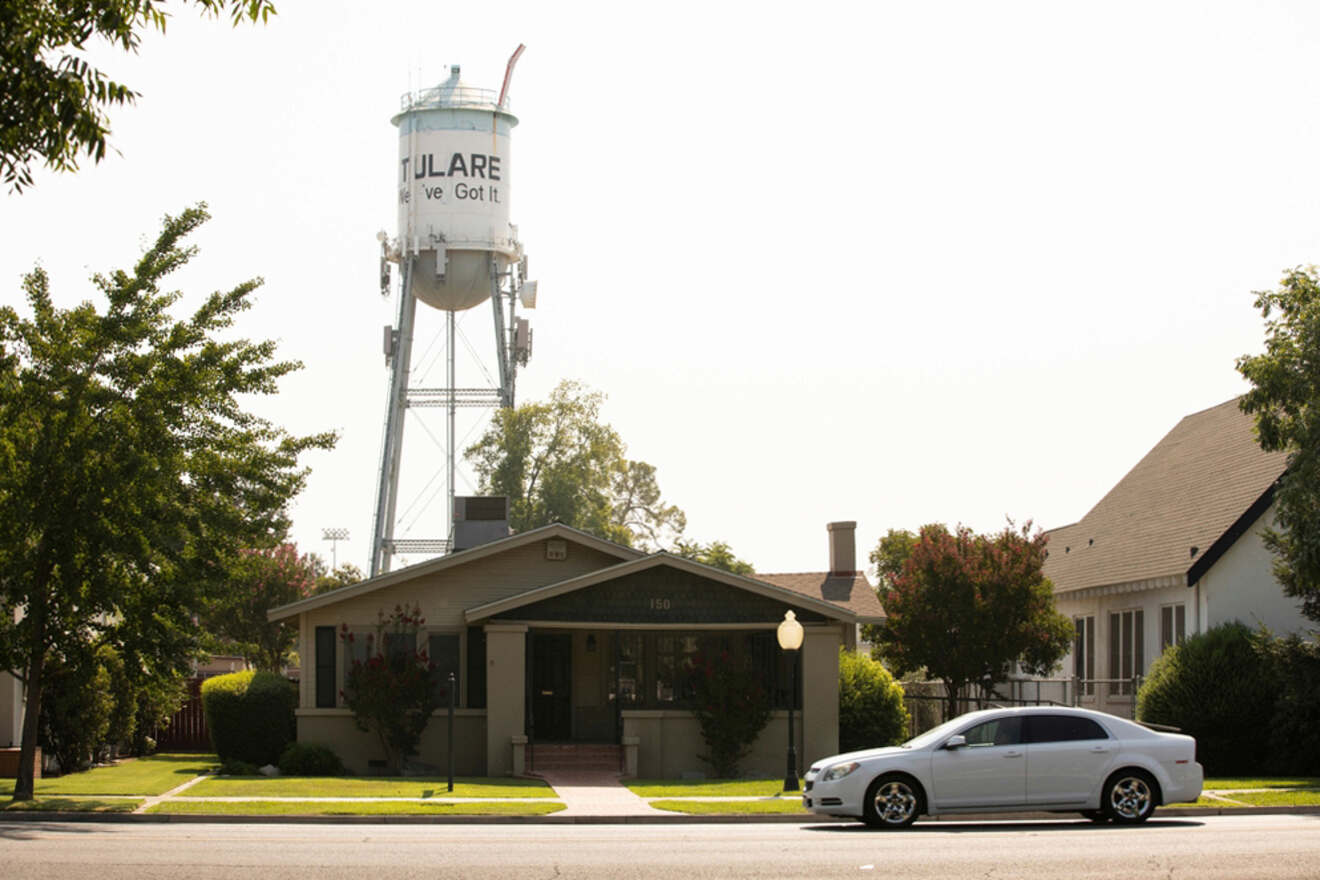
843,548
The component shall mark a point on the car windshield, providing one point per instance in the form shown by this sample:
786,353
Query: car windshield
935,733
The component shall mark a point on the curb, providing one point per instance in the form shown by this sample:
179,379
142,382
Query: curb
671,819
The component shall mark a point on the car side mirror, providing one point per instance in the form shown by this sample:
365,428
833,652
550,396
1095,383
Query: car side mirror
957,741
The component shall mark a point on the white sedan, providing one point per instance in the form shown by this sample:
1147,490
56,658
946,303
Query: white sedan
1051,758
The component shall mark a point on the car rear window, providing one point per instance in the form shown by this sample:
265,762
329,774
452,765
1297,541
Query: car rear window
1062,728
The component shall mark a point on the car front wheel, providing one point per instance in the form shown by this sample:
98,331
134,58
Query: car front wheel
891,802
1129,797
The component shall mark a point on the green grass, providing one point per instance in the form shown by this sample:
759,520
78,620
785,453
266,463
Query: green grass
728,808
155,774
72,805
680,788
1232,782
355,808
368,786
1203,801
1295,797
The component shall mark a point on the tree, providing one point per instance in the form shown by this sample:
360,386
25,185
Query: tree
716,554
967,606
343,576
558,462
394,690
258,580
129,469
1285,398
52,101
888,557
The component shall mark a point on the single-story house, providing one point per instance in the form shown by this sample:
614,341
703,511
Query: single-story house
1175,548
556,636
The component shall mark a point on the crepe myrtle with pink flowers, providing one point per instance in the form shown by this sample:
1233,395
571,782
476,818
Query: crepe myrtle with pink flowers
392,687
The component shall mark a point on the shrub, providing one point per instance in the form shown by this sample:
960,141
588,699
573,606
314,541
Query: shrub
76,705
310,759
249,715
1215,686
235,767
732,707
871,710
393,693
1295,725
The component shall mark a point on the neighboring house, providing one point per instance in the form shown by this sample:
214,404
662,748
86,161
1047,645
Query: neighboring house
11,711
556,636
1173,549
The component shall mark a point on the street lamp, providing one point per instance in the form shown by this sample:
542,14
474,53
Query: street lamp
790,639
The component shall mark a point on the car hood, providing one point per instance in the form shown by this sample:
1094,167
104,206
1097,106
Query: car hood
863,755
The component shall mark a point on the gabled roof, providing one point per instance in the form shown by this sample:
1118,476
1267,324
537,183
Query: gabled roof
852,591
757,584
462,557
1176,511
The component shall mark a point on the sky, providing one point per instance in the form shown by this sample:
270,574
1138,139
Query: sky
894,263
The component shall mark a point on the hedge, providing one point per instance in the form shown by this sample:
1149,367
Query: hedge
249,715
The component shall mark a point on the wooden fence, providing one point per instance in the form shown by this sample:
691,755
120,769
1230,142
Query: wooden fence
186,730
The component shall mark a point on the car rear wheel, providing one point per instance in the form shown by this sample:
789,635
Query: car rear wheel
1129,797
892,802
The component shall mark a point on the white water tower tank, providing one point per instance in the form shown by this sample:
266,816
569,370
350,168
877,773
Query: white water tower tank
454,176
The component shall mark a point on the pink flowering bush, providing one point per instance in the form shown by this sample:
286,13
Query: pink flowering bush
393,693
732,708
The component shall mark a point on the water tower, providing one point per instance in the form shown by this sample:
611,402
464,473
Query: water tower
455,250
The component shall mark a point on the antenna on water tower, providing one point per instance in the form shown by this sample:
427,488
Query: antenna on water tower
455,249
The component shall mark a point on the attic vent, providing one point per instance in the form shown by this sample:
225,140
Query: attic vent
1195,550
556,549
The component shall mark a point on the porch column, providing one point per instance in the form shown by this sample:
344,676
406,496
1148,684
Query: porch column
506,689
820,693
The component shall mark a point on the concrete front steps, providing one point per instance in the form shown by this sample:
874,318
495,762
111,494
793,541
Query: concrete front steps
574,758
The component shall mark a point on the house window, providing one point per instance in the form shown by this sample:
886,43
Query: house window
358,646
630,669
1126,650
1173,625
442,651
399,645
1084,654
325,666
476,667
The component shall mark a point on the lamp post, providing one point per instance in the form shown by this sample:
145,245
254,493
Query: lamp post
790,639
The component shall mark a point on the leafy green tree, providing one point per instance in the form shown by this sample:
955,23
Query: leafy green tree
76,714
53,102
129,469
888,557
392,692
257,581
1285,398
716,554
558,462
967,606
343,576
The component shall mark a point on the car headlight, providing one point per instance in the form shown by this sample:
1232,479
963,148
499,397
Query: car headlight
838,771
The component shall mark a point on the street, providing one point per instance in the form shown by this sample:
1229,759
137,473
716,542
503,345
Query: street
1261,846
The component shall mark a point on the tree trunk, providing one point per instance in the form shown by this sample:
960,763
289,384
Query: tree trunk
951,689
24,784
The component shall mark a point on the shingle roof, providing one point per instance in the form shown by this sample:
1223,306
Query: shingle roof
850,591
1186,492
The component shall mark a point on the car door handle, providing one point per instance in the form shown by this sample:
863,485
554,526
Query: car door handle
1013,754
1100,749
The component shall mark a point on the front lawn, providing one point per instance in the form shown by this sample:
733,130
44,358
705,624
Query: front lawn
731,808
686,788
1295,797
368,786
1221,783
154,774
356,808
72,805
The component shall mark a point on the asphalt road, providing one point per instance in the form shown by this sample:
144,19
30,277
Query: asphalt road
1227,846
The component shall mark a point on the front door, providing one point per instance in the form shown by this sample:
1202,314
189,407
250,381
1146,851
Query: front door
552,656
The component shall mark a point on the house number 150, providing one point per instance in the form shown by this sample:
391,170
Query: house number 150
659,604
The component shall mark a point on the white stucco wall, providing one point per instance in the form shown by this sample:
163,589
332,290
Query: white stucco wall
11,711
1241,586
